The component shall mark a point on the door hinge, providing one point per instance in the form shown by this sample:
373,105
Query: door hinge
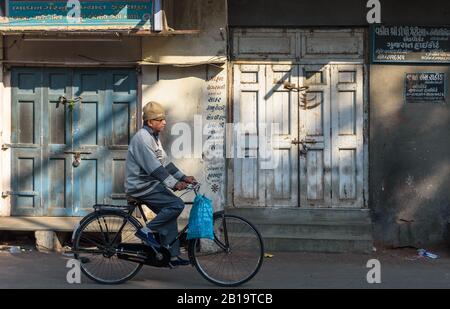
6,146
5,194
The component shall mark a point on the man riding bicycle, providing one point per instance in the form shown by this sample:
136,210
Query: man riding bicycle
149,175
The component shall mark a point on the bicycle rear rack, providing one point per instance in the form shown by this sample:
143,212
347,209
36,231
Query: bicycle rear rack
130,208
113,207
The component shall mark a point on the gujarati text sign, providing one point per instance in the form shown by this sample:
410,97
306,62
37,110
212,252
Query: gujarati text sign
136,13
393,44
425,87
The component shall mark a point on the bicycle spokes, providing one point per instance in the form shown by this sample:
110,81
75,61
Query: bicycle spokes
234,256
96,247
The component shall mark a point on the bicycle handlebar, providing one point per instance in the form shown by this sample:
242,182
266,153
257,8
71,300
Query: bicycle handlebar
192,187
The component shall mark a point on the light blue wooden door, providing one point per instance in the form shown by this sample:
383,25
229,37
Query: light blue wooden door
57,172
120,106
26,146
47,135
102,128
88,139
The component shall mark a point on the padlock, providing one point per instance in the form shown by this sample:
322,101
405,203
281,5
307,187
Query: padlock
77,156
77,160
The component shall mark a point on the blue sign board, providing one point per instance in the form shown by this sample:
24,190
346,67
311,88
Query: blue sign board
135,13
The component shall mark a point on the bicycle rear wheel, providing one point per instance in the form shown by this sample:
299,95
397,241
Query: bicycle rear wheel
95,243
234,256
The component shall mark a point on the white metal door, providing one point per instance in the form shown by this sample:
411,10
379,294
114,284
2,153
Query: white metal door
318,152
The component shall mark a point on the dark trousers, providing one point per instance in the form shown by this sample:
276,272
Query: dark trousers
167,207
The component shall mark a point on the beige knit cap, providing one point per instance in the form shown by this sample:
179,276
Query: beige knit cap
153,110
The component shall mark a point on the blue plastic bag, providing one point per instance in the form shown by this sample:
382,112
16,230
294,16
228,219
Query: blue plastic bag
201,219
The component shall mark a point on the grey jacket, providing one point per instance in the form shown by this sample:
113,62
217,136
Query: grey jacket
147,165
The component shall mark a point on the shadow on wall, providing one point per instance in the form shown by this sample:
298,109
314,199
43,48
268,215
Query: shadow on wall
59,196
409,161
180,91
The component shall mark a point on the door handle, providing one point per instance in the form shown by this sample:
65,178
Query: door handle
77,156
304,149
78,152
6,146
292,86
303,141
309,141
70,102
295,142
5,194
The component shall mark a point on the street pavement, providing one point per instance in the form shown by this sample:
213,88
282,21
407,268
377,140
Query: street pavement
399,268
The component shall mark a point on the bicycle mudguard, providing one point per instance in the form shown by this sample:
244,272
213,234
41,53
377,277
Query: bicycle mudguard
216,215
141,253
219,213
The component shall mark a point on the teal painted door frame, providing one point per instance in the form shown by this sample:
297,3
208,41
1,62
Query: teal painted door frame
45,136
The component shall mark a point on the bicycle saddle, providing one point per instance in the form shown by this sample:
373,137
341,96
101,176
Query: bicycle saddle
135,200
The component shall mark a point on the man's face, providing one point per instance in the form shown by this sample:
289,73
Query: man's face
157,124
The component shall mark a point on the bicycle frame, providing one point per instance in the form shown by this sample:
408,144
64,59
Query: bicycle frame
133,207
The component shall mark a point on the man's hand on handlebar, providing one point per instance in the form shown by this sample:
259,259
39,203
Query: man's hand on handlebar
181,185
190,179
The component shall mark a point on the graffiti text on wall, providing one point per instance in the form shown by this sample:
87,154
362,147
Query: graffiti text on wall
215,115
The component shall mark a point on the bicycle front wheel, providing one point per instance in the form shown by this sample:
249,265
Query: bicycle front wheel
234,256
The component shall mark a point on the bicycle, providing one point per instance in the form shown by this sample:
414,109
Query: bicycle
109,253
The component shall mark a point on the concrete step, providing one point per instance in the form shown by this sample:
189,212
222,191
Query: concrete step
60,224
358,232
312,243
315,230
331,216
317,245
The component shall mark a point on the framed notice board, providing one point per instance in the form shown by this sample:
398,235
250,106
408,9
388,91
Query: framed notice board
410,44
425,87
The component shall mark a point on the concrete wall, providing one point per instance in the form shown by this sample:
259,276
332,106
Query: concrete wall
209,43
75,50
188,94
409,160
298,13
191,90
